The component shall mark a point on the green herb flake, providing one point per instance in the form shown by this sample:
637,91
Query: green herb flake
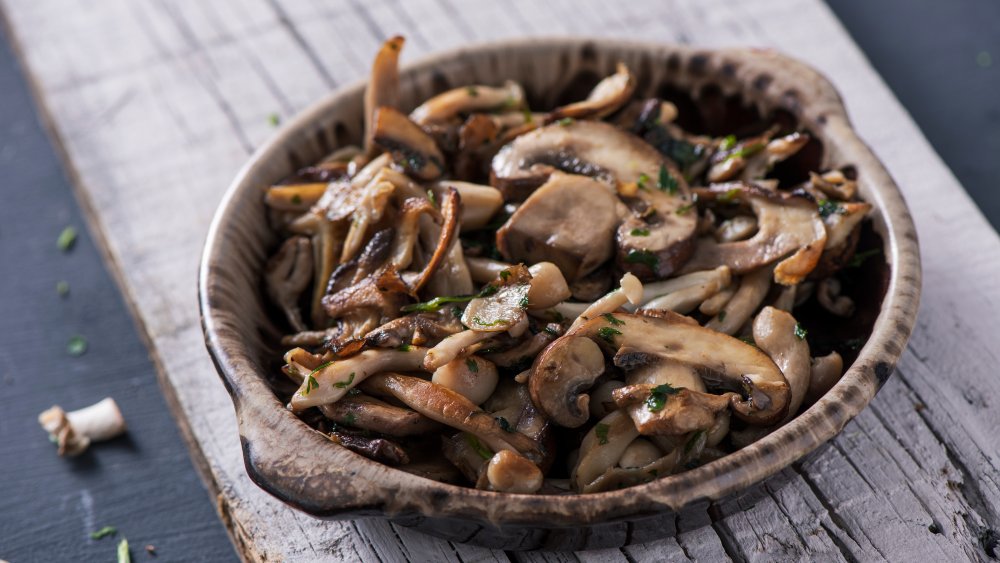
728,143
528,118
827,208
344,384
644,257
456,311
62,288
658,396
472,91
601,431
123,555
481,322
523,303
103,532
478,446
472,365
504,274
748,340
432,197
746,151
296,199
504,424
551,331
730,195
608,334
404,347
612,319
311,384
274,119
693,441
639,232
76,346
436,304
350,419
800,332
666,181
565,121
642,181
859,258
722,316
67,238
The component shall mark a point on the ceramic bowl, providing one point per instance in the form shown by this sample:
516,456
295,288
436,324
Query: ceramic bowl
303,468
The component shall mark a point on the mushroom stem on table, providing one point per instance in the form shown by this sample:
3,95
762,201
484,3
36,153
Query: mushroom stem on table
74,431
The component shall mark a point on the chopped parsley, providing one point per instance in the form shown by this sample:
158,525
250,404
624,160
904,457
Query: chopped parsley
639,232
472,365
644,257
350,419
748,340
344,384
523,303
859,257
432,197
311,384
438,302
103,532
730,195
565,121
478,446
76,346
472,91
456,311
666,181
504,424
747,151
404,347
728,143
608,334
550,330
528,118
67,238
827,208
800,332
641,182
481,322
504,274
601,431
682,210
62,288
296,199
693,441
722,316
611,319
658,396
123,556
273,119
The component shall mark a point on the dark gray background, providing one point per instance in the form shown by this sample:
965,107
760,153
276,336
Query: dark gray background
928,51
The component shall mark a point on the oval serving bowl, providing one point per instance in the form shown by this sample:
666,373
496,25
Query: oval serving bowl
304,469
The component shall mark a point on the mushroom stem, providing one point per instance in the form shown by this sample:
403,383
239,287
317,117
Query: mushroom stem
74,431
630,291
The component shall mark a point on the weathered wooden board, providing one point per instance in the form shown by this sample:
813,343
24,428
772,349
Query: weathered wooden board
158,103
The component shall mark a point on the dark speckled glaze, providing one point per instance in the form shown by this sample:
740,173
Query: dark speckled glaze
304,469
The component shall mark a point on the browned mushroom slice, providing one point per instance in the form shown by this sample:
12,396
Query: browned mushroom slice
295,197
602,447
607,97
479,203
777,150
843,230
287,275
450,209
413,149
383,295
789,229
824,373
380,449
419,329
741,306
757,391
834,184
383,87
503,310
368,413
475,138
617,478
468,99
656,237
664,409
779,335
408,230
510,472
569,221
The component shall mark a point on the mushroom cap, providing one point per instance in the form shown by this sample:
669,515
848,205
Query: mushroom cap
565,368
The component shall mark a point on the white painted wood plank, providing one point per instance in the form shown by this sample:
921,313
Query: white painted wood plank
158,103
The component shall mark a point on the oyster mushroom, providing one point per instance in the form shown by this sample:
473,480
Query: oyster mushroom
716,303
446,241
479,203
569,221
525,350
630,291
789,229
829,297
329,382
468,99
824,374
754,386
287,275
774,332
738,228
697,287
741,306
74,431
608,96
843,229
416,329
408,230
368,413
656,236
511,472
411,148
383,86
380,449
602,447
619,477
472,377
834,184
295,197
689,152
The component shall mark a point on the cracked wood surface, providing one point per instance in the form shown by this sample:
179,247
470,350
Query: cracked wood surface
157,104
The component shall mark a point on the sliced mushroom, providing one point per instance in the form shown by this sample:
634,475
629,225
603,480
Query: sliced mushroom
656,237
485,270
468,99
510,472
602,400
380,449
383,87
738,228
607,97
829,297
378,297
776,151
331,381
296,197
472,377
751,293
408,230
74,431
412,149
843,230
505,309
453,347
789,229
479,203
602,447
369,211
834,184
569,221
617,478
418,329
824,374
525,351
639,453
686,298
547,286
446,241
630,291
718,302
568,366
777,334
369,413
689,152
287,275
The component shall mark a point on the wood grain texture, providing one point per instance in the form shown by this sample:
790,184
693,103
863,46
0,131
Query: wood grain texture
158,104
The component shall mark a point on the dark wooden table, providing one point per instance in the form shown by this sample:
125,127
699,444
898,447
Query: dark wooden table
144,484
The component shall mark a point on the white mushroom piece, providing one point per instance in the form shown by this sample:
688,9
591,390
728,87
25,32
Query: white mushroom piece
750,159
287,275
383,86
469,99
655,233
824,374
411,148
608,96
74,431
750,383
790,232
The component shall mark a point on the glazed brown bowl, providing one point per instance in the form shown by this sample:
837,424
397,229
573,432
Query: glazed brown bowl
724,89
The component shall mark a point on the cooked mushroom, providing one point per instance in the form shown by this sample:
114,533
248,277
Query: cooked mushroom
751,293
718,302
74,431
296,197
468,99
526,350
824,374
689,152
417,329
778,334
829,297
630,291
602,400
789,229
510,472
602,447
383,87
568,366
472,377
843,229
834,184
692,290
485,270
607,97
738,228
776,151
329,382
412,149
569,221
408,230
479,203
379,449
369,413
287,275
656,236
